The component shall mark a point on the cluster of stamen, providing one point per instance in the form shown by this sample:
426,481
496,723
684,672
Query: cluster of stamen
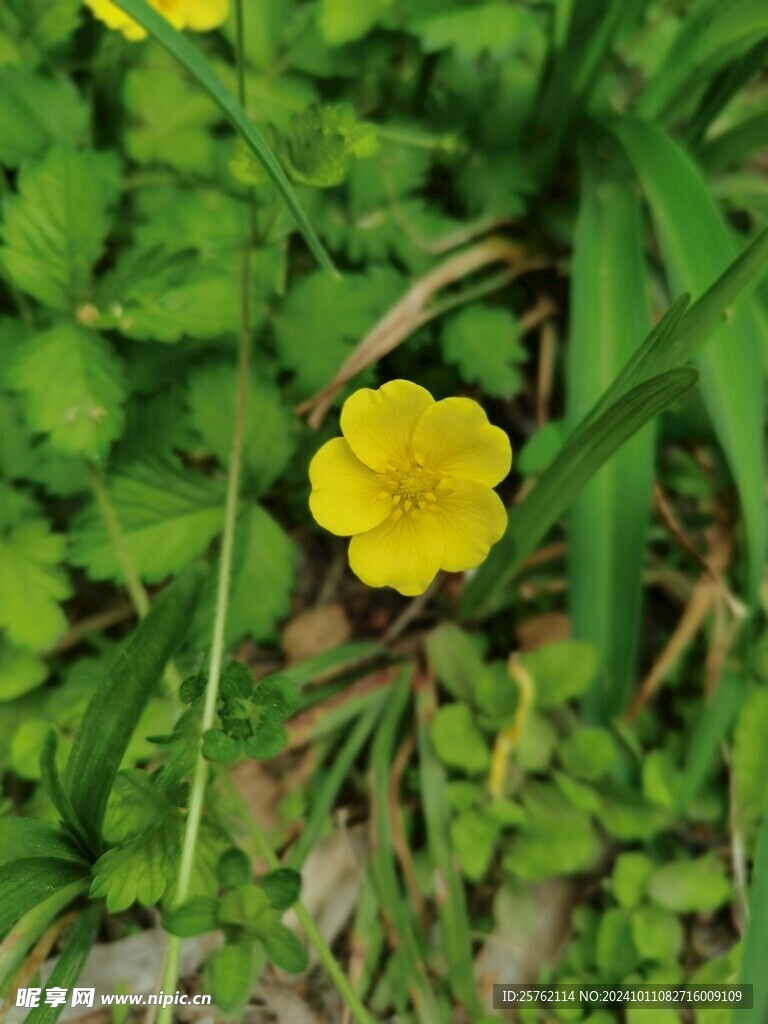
410,486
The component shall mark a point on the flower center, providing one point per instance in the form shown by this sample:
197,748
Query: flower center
410,486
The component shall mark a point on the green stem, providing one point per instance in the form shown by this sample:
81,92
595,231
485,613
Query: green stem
200,774
321,947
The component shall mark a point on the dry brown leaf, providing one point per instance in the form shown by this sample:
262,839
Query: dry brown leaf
316,630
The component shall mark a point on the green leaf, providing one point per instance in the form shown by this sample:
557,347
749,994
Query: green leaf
170,117
233,868
117,704
561,670
690,885
263,577
457,740
322,143
340,312
284,949
588,753
54,229
27,882
563,479
541,448
753,961
750,765
555,839
474,836
342,22
168,515
615,952
482,342
282,886
455,659
37,25
156,295
194,917
696,246
229,974
22,838
70,963
706,742
191,58
36,112
141,871
73,390
34,585
657,934
269,426
609,517
20,672
630,873
135,805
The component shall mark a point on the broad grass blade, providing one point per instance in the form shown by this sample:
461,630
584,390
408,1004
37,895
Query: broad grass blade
696,246
609,518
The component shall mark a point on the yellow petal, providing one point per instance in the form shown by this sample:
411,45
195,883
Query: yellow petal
116,19
454,437
204,15
345,493
379,424
471,517
403,553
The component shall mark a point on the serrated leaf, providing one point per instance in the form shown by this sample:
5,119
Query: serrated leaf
154,295
269,425
168,516
483,343
73,389
135,805
322,143
37,111
263,577
169,117
54,229
33,585
20,672
339,312
141,870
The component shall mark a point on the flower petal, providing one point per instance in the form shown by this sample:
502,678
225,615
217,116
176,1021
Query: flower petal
471,517
379,424
204,15
403,553
454,437
345,493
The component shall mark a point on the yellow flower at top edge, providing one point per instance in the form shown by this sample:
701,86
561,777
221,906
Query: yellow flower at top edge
411,483
198,15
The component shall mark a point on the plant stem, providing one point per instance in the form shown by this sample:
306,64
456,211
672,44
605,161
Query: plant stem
200,774
324,953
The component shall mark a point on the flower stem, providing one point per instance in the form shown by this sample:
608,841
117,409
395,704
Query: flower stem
200,774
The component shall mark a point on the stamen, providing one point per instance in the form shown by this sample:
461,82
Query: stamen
396,514
408,505
396,499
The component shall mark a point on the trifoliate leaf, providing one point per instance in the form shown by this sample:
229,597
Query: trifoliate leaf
73,389
141,870
54,228
483,343
33,585
343,22
168,516
495,28
457,740
37,111
20,672
156,296
323,141
324,317
169,117
269,425
263,575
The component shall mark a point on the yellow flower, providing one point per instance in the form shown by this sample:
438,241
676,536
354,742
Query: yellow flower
411,482
198,15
